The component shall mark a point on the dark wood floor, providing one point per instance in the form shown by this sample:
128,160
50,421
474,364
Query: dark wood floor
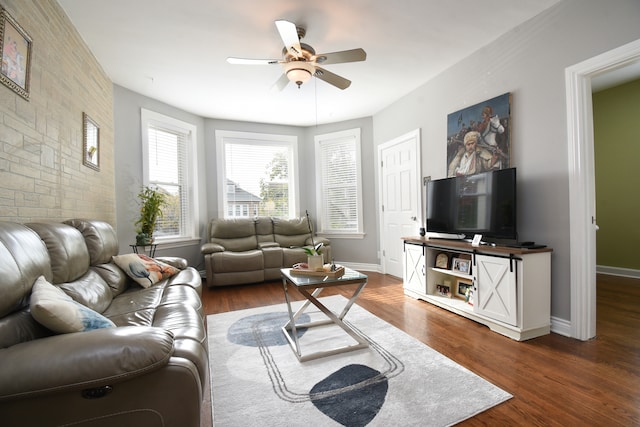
555,381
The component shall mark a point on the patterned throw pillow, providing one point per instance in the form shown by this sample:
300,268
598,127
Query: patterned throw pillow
144,270
57,311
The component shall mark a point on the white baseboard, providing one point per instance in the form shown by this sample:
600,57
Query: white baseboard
561,326
618,271
362,267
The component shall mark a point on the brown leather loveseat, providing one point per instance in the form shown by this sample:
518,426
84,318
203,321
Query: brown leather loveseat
253,250
113,352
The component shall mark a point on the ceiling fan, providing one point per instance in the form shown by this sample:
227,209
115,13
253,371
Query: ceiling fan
300,61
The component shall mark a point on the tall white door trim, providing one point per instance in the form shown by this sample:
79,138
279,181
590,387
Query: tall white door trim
582,182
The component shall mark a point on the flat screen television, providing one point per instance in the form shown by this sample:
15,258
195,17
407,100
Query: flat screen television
462,206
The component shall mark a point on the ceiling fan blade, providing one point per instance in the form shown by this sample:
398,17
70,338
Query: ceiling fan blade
289,35
333,79
353,55
281,83
245,61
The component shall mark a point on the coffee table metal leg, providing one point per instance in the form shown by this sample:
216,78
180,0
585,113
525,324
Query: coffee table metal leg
352,300
291,324
290,329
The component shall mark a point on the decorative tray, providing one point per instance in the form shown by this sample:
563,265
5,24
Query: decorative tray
298,271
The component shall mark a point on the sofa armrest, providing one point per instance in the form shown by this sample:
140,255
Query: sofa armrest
316,240
82,360
211,248
177,262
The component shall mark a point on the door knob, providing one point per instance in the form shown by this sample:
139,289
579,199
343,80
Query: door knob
413,218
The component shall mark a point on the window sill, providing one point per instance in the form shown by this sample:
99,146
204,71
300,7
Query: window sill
342,235
176,242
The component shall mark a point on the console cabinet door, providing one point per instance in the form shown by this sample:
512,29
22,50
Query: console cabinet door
414,268
495,292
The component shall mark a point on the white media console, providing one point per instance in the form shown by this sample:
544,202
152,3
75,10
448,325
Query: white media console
509,289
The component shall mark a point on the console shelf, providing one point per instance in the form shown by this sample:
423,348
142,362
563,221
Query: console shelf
509,288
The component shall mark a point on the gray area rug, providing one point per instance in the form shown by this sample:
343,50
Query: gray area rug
256,379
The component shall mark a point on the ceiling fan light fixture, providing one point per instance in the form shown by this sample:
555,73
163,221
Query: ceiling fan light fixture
299,72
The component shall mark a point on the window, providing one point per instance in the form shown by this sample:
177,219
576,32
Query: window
339,184
257,174
169,165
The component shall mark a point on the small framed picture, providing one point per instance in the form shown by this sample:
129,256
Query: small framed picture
443,290
15,51
461,265
464,289
91,145
442,260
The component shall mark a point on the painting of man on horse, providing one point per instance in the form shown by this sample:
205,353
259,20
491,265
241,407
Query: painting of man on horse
479,137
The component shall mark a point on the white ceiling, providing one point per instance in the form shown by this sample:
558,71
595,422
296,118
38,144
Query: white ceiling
175,51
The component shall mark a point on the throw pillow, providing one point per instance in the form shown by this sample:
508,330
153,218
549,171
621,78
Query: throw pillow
57,311
144,270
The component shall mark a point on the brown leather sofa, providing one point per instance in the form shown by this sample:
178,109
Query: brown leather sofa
253,250
148,370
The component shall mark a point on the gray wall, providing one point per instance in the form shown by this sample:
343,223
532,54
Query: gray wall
128,160
128,167
355,251
529,62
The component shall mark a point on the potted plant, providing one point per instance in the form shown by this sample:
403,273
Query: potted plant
151,203
315,260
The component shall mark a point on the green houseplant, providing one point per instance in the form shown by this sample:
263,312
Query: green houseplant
151,203
315,259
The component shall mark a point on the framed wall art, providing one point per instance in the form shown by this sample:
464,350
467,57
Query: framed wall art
91,144
479,137
15,51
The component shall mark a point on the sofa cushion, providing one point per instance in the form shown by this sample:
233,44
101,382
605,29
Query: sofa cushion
291,232
67,250
100,238
113,276
234,234
89,290
272,257
145,270
23,258
229,262
264,230
58,312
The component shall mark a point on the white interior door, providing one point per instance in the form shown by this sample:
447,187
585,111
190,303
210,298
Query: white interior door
400,190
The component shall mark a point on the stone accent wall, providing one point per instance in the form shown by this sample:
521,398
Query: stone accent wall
42,176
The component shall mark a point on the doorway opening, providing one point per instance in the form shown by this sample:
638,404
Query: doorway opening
582,181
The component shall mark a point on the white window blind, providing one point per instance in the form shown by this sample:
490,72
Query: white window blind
167,155
257,177
170,167
339,183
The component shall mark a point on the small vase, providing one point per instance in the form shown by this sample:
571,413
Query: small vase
315,262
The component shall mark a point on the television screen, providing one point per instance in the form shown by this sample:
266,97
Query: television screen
483,203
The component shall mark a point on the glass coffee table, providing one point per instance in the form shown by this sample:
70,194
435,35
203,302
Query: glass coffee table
311,287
